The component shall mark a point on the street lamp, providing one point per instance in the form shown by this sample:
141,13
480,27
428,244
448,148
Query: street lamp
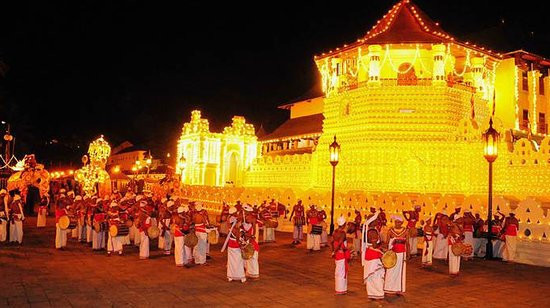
334,150
490,138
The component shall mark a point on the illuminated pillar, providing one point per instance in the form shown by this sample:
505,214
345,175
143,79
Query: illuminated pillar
374,65
477,73
336,72
439,65
533,79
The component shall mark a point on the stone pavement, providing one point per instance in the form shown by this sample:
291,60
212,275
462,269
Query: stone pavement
37,275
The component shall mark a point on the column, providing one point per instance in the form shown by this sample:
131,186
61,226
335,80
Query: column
374,65
439,74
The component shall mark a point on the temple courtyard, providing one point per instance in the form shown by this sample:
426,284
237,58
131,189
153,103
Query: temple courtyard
37,275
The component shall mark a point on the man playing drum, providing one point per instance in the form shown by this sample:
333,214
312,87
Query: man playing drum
427,252
371,248
200,219
267,219
144,223
182,227
455,236
412,218
510,232
299,222
251,265
321,216
164,222
441,247
315,230
114,242
341,255
396,276
60,234
235,262
100,226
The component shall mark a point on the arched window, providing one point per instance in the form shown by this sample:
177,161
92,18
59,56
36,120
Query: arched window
406,75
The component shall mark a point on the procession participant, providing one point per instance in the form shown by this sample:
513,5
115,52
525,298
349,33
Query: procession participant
3,216
299,222
16,220
165,220
427,252
80,211
468,226
480,241
267,219
123,215
42,211
60,234
235,262
200,219
314,234
510,232
455,236
100,226
497,237
456,214
441,248
371,254
251,265
224,224
89,221
321,216
396,277
412,218
143,224
182,221
357,234
341,255
114,243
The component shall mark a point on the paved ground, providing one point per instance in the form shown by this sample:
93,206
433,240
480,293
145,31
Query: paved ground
38,275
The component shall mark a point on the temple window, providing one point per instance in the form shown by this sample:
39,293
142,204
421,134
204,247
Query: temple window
524,81
541,85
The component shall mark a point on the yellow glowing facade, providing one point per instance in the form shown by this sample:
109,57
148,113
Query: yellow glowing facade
93,172
215,159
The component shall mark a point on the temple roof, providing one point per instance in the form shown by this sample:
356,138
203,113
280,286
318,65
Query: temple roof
406,23
308,125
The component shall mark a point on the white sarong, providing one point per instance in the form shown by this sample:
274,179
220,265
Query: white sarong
144,246
114,244
199,251
314,241
41,219
178,250
509,253
269,234
3,230
427,252
60,237
252,266
340,276
235,264
454,262
373,276
16,231
469,239
396,277
441,247
413,245
480,246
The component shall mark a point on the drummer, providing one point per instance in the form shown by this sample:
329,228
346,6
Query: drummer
321,216
114,243
412,218
395,278
200,219
165,220
143,224
182,226
99,220
235,262
267,219
299,222
42,211
455,236
224,224
341,255
3,216
427,252
60,234
251,265
313,238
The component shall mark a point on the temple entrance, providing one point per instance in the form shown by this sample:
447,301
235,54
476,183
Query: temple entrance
406,75
231,169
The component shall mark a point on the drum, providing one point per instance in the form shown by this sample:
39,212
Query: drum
123,230
153,232
316,229
113,230
64,222
275,214
467,250
247,251
457,249
190,240
271,224
72,225
213,236
389,259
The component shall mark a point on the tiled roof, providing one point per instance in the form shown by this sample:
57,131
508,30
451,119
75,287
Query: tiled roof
312,124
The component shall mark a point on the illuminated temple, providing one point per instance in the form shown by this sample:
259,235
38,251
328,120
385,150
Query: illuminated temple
408,103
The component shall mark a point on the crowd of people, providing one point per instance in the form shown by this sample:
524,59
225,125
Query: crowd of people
185,227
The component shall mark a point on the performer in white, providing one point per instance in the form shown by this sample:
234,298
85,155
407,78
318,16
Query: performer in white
251,265
235,262
441,247
201,220
396,277
164,225
371,254
42,211
60,234
17,217
179,252
3,215
454,260
510,230
427,252
114,243
145,223
341,255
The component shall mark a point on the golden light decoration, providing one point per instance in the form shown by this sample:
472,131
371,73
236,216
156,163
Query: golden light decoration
99,151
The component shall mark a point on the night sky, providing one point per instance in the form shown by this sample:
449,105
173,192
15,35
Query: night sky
133,70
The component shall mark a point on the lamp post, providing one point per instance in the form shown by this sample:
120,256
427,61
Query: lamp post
490,138
334,149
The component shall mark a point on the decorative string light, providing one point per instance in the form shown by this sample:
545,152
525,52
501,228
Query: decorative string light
516,96
534,120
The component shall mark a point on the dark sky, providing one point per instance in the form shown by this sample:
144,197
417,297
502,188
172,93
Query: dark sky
133,70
